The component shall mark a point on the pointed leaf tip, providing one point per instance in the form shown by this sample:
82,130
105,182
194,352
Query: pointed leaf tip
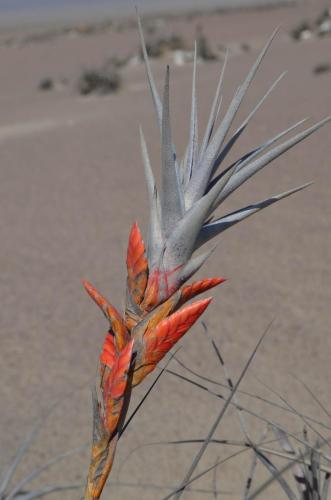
111,314
191,291
95,295
150,78
216,227
136,246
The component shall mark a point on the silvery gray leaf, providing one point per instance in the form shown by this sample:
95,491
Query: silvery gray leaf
252,168
172,200
155,239
216,227
192,149
201,177
214,110
227,148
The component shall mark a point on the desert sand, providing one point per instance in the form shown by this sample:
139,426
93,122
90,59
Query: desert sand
71,185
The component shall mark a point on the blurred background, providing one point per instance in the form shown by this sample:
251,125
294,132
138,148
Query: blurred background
72,95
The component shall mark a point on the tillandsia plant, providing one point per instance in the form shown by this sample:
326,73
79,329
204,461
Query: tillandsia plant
181,221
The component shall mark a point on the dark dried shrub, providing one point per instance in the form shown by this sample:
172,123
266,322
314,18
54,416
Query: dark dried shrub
204,51
46,84
322,68
105,80
154,48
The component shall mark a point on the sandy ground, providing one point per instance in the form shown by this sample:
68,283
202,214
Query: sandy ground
71,185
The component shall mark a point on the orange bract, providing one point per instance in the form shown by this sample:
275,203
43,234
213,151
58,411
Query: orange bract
114,387
158,341
111,313
137,265
108,355
191,291
151,293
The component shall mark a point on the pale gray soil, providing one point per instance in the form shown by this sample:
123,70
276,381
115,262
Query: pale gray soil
71,184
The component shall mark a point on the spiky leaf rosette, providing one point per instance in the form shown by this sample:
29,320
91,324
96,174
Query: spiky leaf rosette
182,210
181,221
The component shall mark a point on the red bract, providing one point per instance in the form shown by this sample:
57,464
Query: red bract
116,322
137,266
158,341
114,385
108,355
